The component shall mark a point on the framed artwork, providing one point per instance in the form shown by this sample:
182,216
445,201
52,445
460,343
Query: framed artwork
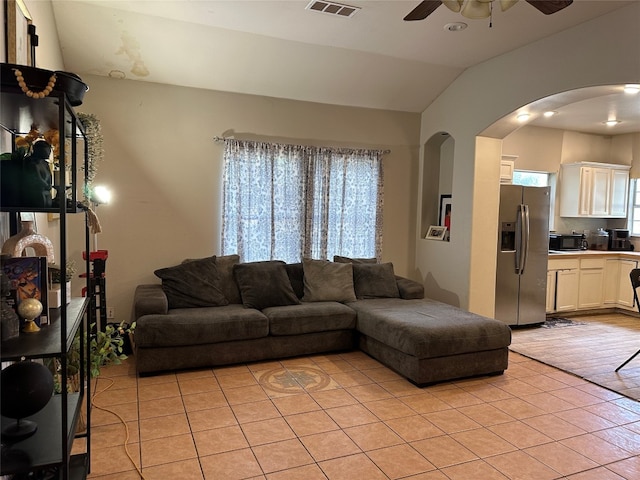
17,19
436,232
27,279
444,219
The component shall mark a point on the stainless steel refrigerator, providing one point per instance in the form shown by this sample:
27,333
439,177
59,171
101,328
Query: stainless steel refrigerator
523,250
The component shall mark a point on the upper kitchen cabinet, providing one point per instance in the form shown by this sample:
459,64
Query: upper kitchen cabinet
598,190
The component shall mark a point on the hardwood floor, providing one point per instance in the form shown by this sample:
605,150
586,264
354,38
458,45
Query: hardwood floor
592,349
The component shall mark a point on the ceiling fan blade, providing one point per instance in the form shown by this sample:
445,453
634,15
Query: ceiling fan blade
550,6
423,10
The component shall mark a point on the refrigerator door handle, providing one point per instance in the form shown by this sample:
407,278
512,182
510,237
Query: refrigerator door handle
522,238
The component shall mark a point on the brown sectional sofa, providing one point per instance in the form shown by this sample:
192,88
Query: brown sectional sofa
272,310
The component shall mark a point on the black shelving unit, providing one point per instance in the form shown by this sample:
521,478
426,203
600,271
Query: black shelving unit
49,449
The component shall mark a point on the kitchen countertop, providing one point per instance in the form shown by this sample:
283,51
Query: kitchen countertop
591,253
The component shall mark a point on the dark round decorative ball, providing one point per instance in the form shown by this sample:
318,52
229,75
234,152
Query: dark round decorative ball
26,389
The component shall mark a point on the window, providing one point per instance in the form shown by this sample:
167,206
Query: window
634,207
530,179
287,202
539,179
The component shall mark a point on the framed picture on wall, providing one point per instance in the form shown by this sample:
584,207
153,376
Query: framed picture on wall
444,218
17,19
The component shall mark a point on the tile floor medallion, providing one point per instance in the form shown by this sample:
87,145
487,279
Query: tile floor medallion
293,378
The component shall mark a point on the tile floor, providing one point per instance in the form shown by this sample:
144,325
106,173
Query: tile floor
593,349
345,416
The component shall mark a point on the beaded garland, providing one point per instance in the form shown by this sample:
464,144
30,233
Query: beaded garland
29,93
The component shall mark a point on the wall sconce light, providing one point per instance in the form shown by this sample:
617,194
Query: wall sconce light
100,195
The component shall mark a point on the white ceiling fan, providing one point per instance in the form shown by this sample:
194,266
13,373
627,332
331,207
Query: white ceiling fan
481,8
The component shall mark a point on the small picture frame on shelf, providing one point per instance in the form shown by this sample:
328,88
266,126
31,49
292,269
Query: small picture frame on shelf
445,211
436,232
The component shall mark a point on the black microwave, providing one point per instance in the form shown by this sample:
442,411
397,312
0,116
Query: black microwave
573,241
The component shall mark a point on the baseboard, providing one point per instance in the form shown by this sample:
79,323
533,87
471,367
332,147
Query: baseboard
595,311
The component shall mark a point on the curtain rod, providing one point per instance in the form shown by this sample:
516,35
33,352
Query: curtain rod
224,139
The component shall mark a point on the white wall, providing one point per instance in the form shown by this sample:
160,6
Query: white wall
164,169
603,51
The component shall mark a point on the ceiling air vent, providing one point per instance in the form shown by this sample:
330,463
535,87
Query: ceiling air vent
332,8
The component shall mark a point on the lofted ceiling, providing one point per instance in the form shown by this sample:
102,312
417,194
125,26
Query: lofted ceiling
282,49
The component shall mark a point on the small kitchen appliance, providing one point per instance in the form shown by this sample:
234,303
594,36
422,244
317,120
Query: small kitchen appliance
599,240
619,239
567,241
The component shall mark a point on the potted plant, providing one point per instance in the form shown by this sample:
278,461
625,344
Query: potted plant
55,277
105,348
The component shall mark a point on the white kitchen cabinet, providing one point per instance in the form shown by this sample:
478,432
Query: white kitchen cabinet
611,282
619,193
591,283
506,169
567,290
625,292
551,291
598,190
563,294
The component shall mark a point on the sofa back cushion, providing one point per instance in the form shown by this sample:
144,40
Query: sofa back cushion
326,281
296,277
192,284
264,284
228,285
341,259
375,280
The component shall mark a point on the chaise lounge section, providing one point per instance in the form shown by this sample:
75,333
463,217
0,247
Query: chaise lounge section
272,310
429,342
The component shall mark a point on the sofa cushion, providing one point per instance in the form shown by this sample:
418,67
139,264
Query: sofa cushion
375,280
264,284
296,277
228,285
341,259
427,328
192,284
310,318
326,281
200,326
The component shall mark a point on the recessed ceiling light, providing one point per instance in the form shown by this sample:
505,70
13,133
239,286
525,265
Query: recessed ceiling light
523,117
550,113
632,88
612,123
455,26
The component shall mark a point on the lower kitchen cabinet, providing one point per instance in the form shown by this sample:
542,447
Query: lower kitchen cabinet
551,291
625,291
567,290
562,284
589,283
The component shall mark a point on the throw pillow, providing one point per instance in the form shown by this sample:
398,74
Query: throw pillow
375,280
228,284
296,277
341,259
192,284
326,281
264,284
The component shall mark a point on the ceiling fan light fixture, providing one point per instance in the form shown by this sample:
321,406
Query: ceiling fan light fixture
632,88
455,26
476,9
507,4
453,5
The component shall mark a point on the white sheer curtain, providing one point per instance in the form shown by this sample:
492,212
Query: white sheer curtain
286,202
